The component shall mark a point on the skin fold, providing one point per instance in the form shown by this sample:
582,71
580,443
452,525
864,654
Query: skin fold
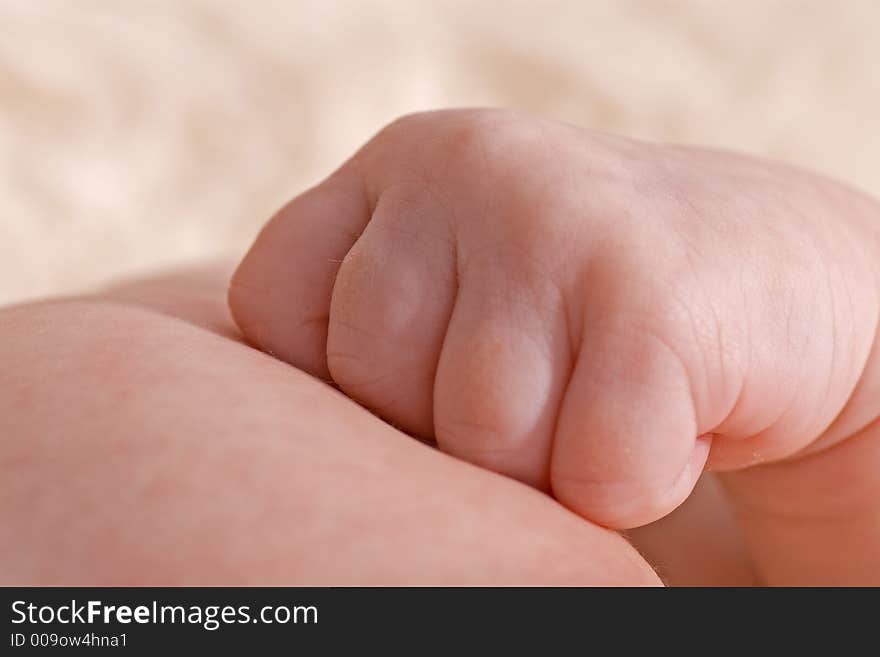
600,318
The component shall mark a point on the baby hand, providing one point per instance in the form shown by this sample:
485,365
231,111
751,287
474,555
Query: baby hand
592,315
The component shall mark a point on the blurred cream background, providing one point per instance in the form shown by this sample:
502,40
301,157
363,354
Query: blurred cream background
136,135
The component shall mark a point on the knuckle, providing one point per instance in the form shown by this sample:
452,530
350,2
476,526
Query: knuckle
463,137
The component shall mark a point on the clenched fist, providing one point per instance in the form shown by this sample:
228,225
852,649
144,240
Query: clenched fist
595,316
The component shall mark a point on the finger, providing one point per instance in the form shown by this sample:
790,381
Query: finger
280,294
628,449
390,307
505,362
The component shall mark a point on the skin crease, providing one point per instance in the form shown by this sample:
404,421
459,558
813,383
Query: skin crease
597,317
141,442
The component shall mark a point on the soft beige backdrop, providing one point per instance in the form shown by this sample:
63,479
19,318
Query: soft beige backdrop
136,135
